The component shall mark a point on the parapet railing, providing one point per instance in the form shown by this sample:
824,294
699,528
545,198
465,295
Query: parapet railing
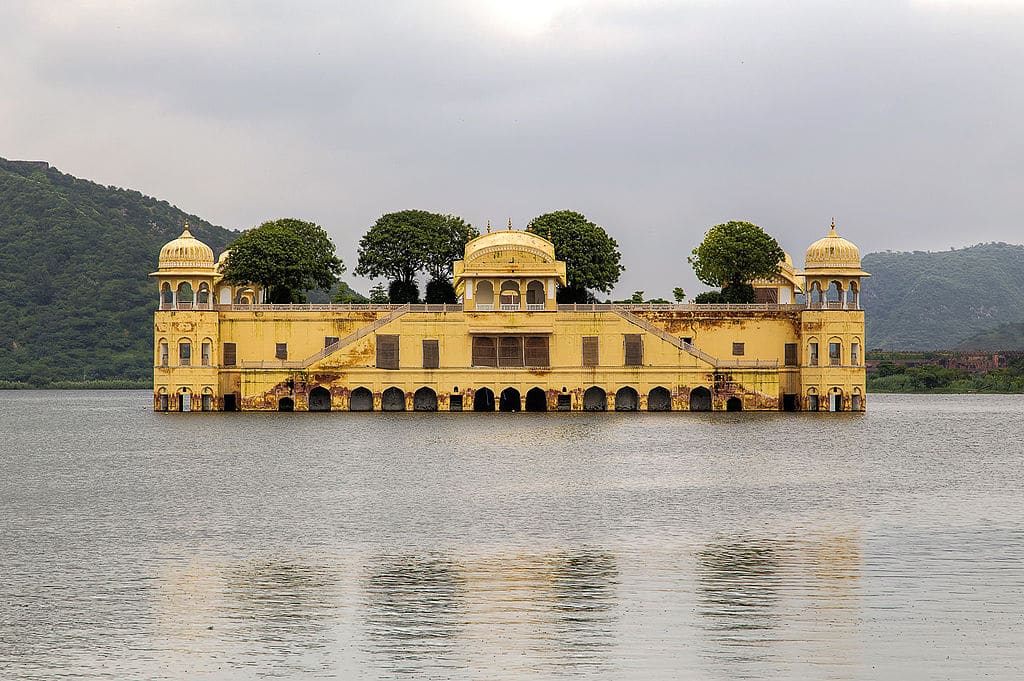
337,307
686,307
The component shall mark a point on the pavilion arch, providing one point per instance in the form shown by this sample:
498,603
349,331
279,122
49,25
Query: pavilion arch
361,399
536,400
834,294
510,293
510,400
535,293
853,294
319,399
734,404
659,399
286,404
484,293
595,399
483,399
203,294
627,399
245,296
166,295
700,399
814,294
424,399
185,293
392,399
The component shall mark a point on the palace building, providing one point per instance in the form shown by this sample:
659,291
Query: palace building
509,345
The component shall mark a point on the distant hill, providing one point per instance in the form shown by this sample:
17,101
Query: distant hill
938,300
1003,337
75,299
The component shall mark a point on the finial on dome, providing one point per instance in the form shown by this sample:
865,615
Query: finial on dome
833,232
488,226
186,234
510,223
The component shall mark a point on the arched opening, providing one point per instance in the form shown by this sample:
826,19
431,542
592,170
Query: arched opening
424,399
166,296
484,295
319,399
286,404
207,400
812,400
164,401
856,403
510,400
535,295
700,399
392,399
510,295
627,399
852,296
835,400
361,399
203,296
834,294
483,400
245,296
734,404
659,399
595,399
185,295
536,400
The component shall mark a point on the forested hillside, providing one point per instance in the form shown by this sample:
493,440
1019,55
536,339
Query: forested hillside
939,300
76,303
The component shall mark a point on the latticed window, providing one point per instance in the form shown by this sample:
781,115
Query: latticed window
634,350
431,354
590,351
229,355
738,349
537,353
791,358
387,351
485,352
281,351
510,351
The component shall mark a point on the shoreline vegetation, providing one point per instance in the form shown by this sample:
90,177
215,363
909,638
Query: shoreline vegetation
107,384
945,372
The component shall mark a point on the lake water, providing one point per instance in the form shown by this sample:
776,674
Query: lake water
888,545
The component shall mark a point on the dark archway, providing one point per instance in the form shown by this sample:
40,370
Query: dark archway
392,399
483,400
734,404
536,400
319,399
659,399
627,399
286,404
510,400
700,399
361,399
595,399
425,399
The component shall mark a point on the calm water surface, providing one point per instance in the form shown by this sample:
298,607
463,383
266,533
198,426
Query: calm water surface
511,546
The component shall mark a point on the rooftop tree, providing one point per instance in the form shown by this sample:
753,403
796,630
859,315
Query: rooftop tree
591,256
731,256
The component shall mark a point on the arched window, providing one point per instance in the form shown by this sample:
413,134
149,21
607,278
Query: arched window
853,296
185,295
185,353
835,351
163,353
814,294
510,295
203,297
812,351
484,295
166,297
834,295
535,295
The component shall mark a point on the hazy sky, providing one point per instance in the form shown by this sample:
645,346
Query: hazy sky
655,119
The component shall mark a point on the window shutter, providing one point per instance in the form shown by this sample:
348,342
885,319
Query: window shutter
282,351
229,357
634,350
431,354
330,340
485,353
791,360
537,354
510,351
737,348
387,351
590,352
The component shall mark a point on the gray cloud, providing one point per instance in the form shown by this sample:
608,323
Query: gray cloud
655,119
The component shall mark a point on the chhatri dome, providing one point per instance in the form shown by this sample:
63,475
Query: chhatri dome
833,253
186,253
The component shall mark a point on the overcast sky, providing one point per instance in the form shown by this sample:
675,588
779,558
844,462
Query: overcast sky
904,120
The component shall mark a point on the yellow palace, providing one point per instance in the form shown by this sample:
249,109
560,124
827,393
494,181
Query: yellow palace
508,345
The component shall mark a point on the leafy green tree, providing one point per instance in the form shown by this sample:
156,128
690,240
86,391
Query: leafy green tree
287,257
379,295
591,256
678,294
440,291
348,296
401,245
732,255
401,292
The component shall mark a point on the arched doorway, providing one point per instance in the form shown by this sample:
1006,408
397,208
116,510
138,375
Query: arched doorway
734,404
483,400
659,399
595,399
361,399
319,399
425,399
392,399
286,404
835,400
627,399
700,399
536,400
510,400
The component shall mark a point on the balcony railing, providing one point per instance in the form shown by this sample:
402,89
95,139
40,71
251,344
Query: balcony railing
510,307
535,307
485,307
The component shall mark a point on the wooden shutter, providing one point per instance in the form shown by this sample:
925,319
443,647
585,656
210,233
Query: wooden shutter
485,354
510,351
537,354
431,354
282,351
766,295
230,357
634,350
737,348
791,360
387,351
590,353
330,340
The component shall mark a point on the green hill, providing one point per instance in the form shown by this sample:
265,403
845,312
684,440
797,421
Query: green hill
1008,336
76,303
938,300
